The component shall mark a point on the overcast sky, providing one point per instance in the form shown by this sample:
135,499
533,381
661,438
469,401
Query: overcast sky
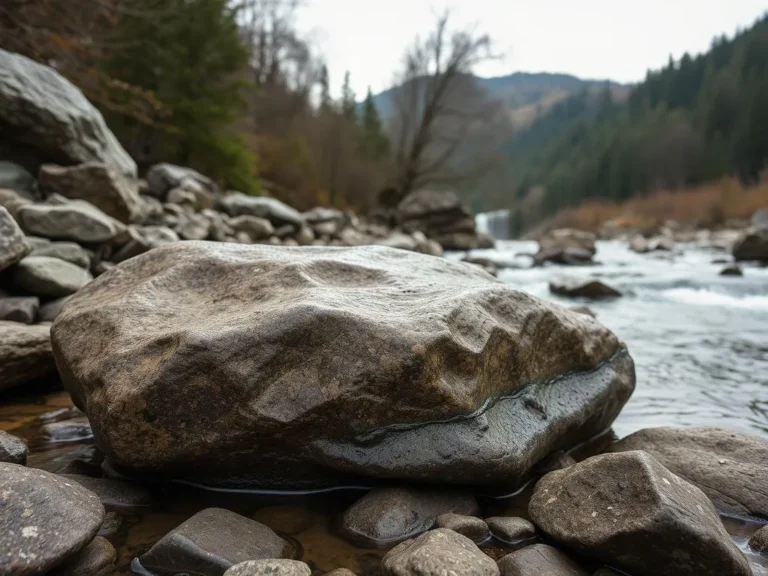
597,39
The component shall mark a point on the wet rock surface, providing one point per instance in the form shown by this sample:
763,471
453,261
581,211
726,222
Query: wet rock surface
473,528
389,515
13,244
441,367
540,560
759,541
114,494
629,511
25,354
436,553
511,529
13,450
729,467
211,542
44,519
269,568
96,559
582,288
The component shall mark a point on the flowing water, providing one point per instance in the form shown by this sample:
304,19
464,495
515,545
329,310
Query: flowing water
700,344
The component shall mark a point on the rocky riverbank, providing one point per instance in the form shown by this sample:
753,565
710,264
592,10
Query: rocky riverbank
230,343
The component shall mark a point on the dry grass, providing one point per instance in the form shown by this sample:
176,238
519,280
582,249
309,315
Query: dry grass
706,206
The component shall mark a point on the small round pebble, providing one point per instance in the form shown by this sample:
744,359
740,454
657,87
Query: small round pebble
473,528
510,529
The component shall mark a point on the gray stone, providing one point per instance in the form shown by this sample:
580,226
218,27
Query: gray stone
97,559
114,494
194,227
256,228
143,239
473,528
25,354
162,178
395,360
12,201
113,521
440,552
388,515
44,520
19,309
99,184
239,204
12,450
341,572
759,541
17,178
583,310
629,511
182,196
211,542
305,236
67,251
49,277
47,114
539,560
753,245
510,529
50,310
71,221
398,240
582,288
13,244
759,218
732,270
729,467
270,568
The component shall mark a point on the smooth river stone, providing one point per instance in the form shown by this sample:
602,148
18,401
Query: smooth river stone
539,560
44,519
25,354
12,449
279,367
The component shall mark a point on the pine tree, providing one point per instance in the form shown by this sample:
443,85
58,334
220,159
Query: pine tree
348,102
325,89
375,142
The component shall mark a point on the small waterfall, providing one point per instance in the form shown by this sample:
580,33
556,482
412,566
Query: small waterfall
494,223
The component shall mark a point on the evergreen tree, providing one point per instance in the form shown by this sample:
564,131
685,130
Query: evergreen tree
325,89
194,62
375,142
348,101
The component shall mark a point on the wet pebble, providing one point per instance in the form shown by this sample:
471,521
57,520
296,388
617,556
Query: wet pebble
511,530
97,559
111,525
114,494
759,541
12,449
473,528
539,560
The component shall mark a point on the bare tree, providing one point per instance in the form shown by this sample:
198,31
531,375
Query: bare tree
439,109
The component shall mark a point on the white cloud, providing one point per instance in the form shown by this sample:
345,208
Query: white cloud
614,39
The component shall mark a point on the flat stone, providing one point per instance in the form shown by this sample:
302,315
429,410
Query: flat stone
19,309
582,288
759,541
629,511
729,467
13,244
438,553
97,559
71,221
12,449
473,528
48,115
50,310
464,381
510,529
270,568
67,251
44,519
25,354
96,183
539,560
211,542
45,276
388,515
114,494
278,213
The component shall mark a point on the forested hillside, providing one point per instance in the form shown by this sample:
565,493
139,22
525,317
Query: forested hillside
695,120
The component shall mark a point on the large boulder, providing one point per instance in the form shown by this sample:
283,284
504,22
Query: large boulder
71,221
753,245
52,119
438,553
278,213
630,512
97,183
272,366
44,519
13,244
25,354
729,467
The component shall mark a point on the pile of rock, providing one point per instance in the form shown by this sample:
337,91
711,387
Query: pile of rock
566,246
